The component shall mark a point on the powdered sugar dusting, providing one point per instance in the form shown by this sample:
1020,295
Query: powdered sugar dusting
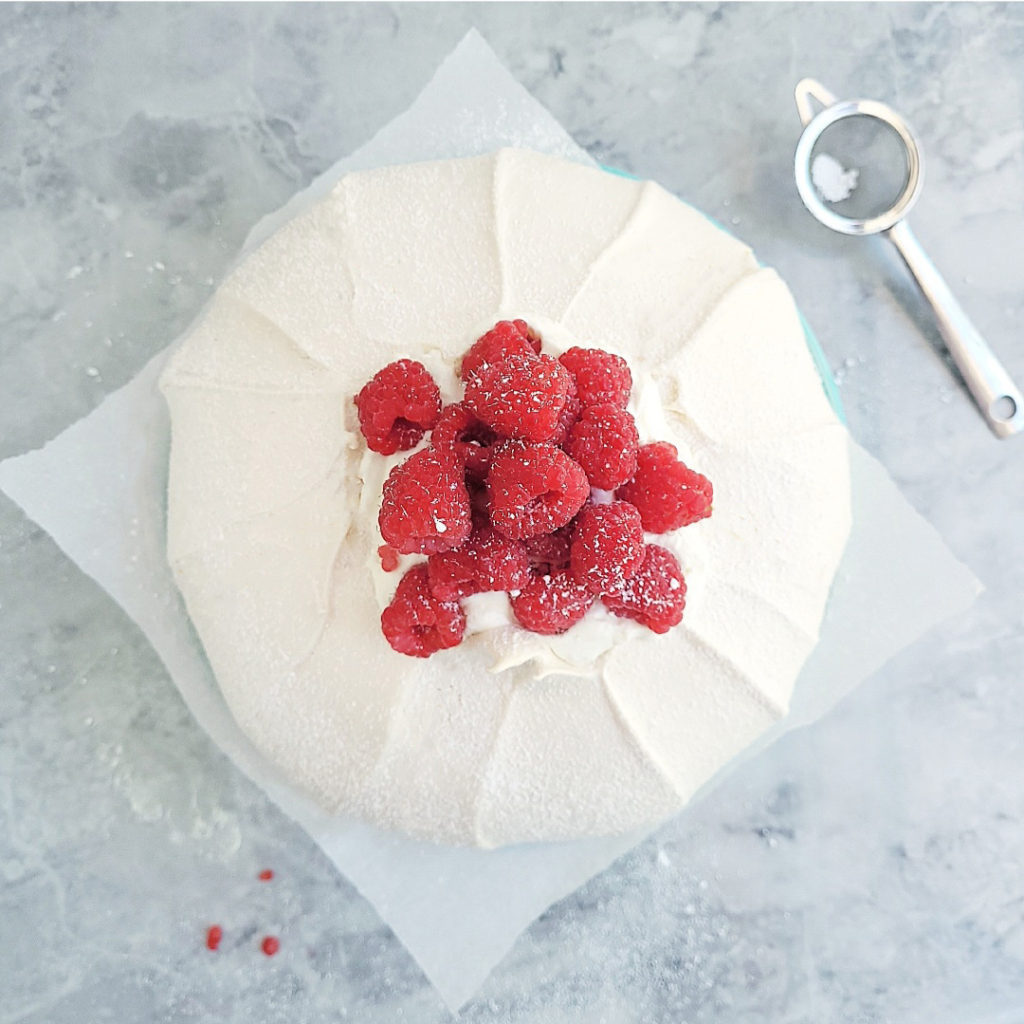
436,746
832,181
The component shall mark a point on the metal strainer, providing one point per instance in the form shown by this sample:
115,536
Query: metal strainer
858,170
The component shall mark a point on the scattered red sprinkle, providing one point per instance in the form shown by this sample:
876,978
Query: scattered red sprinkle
266,874
270,945
213,936
388,557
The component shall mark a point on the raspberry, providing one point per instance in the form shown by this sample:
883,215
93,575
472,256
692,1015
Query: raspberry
534,489
487,561
416,622
604,441
459,431
600,376
522,396
504,339
549,552
666,491
570,413
533,336
398,405
551,604
607,546
425,507
479,503
655,595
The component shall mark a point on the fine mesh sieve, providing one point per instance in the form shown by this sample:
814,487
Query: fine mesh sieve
858,171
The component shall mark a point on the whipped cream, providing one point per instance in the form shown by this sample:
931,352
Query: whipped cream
273,500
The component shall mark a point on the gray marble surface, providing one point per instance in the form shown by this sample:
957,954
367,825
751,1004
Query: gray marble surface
870,869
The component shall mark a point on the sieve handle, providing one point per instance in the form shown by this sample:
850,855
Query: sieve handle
998,398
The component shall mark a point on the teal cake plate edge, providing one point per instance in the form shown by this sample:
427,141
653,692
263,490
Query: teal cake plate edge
828,382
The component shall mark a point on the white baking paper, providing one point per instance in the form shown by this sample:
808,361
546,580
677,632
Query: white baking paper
457,911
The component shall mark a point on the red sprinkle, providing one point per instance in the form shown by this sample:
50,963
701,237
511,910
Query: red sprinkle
270,945
213,936
265,875
388,557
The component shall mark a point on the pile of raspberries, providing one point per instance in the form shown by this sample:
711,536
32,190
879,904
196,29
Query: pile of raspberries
535,484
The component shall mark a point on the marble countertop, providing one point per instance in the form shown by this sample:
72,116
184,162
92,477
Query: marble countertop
869,869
